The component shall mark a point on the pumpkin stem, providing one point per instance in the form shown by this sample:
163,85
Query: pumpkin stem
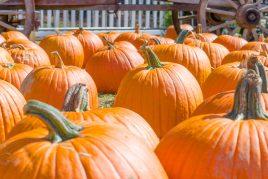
110,44
199,29
264,50
20,46
7,65
247,100
59,60
76,98
183,34
60,129
156,40
261,38
152,59
137,28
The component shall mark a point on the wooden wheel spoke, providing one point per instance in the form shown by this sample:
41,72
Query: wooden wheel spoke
7,26
264,29
242,2
186,17
232,3
264,8
255,34
225,24
222,12
245,33
250,2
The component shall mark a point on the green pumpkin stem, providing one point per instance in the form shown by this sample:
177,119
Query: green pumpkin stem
137,28
110,44
156,40
182,36
59,60
152,59
76,98
60,129
9,65
247,100
199,29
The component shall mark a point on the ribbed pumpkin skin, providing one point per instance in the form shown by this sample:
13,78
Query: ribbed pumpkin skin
193,58
109,66
110,36
137,39
33,57
14,73
221,103
238,56
102,151
5,57
68,46
11,103
255,46
212,146
2,39
230,42
172,34
223,78
91,43
25,43
119,116
161,40
12,35
49,84
163,96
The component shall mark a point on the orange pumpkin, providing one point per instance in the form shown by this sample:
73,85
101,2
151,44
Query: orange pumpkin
231,145
232,43
160,40
193,58
70,150
33,57
14,73
110,64
226,77
12,35
68,46
238,56
255,46
76,109
200,36
50,83
25,43
163,93
110,36
91,43
11,103
2,39
5,57
171,32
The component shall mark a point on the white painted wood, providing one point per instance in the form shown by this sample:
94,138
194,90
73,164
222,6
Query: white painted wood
111,19
56,14
119,18
126,17
96,19
147,16
81,18
89,19
140,14
133,15
155,20
73,18
49,17
103,19
65,18
42,20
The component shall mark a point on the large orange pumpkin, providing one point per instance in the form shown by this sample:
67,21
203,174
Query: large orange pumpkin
25,43
11,103
50,83
5,57
238,56
193,58
11,35
160,40
33,57
70,150
76,109
91,43
14,73
110,36
68,46
171,32
256,46
200,36
110,64
163,93
232,43
221,145
2,39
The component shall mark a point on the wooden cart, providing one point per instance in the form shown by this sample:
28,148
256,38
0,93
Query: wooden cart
245,16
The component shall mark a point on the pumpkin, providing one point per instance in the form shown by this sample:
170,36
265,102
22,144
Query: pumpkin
76,109
200,36
14,73
2,39
50,83
228,145
137,38
163,93
193,58
110,64
255,46
160,40
215,52
11,103
68,46
25,43
87,151
11,35
238,56
232,43
33,57
91,43
5,57
171,32
110,36
226,77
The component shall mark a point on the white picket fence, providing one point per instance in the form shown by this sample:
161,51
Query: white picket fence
95,20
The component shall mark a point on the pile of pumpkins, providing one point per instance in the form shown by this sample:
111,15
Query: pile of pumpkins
192,106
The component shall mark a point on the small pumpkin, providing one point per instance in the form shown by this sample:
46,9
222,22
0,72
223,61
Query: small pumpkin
110,36
67,45
5,57
91,43
163,93
76,109
87,151
33,57
110,64
232,43
12,35
14,73
11,103
171,32
50,83
228,145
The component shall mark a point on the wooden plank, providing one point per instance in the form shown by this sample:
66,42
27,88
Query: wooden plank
81,18
119,18
65,18
42,18
56,14
147,16
49,17
73,18
126,20
88,18
133,16
96,18
155,19
111,20
140,14
103,19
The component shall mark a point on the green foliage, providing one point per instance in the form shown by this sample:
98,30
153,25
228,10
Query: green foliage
167,19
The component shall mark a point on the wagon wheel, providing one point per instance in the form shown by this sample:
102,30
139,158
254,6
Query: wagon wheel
178,20
9,18
245,17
